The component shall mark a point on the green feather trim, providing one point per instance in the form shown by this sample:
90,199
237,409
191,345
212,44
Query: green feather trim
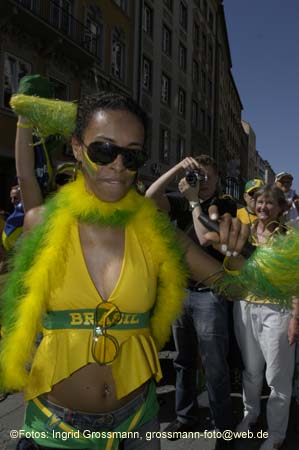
38,269
21,261
270,274
159,236
118,218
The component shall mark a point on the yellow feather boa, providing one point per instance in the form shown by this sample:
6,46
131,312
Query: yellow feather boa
47,271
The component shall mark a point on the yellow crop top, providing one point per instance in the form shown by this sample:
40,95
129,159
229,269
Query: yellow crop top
65,349
253,298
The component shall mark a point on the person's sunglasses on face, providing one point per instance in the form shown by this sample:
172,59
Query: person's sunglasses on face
103,153
251,193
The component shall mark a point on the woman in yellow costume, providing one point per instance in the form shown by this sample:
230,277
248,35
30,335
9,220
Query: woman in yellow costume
101,275
266,333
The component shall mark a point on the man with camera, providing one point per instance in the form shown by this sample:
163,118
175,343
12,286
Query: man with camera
202,328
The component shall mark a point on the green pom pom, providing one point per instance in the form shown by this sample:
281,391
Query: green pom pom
35,85
270,274
48,117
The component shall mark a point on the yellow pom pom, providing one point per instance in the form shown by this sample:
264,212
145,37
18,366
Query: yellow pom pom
48,117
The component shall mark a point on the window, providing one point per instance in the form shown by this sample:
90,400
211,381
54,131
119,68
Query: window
183,17
210,90
211,20
148,20
149,137
118,57
210,57
182,57
205,9
61,15
164,145
147,75
202,120
194,114
123,4
27,3
181,148
203,82
204,45
168,3
60,89
209,126
165,89
195,71
196,34
182,102
166,40
14,69
93,35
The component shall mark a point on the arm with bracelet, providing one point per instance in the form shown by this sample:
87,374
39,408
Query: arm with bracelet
206,269
25,150
213,226
157,189
191,194
24,154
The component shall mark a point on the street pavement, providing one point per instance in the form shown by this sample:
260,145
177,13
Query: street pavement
12,410
166,396
11,416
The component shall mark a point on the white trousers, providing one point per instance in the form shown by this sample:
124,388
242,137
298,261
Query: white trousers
261,332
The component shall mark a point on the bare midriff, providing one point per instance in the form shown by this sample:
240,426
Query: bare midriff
90,389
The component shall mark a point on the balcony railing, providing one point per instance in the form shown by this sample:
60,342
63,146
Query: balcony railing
52,13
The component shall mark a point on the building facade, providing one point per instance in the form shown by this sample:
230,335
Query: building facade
264,169
251,149
187,87
80,46
172,56
229,135
178,80
269,173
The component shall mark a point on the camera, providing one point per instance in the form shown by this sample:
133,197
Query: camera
192,176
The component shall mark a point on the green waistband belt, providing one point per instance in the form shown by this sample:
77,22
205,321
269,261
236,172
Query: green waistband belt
84,319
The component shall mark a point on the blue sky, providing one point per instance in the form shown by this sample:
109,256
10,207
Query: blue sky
264,45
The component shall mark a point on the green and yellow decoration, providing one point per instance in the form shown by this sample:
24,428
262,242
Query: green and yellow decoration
38,268
47,116
271,272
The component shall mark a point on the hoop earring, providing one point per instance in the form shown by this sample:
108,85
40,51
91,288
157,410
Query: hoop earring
77,167
139,185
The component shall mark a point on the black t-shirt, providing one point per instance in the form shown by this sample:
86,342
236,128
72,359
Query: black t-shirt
181,214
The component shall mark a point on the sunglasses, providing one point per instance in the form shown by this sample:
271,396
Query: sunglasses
251,193
105,347
103,153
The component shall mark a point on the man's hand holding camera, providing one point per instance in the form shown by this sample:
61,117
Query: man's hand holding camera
226,234
189,186
188,163
188,191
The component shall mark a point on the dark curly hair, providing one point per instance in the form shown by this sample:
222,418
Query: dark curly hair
105,100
